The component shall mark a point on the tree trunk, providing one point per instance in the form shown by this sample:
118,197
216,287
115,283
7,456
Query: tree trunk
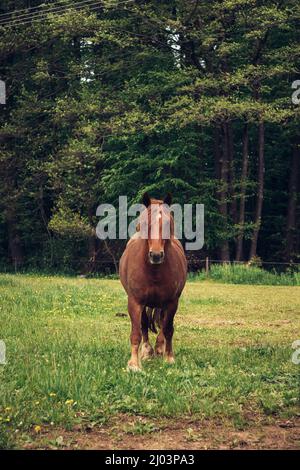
239,246
291,229
231,172
45,221
217,150
14,243
260,189
91,246
221,157
111,253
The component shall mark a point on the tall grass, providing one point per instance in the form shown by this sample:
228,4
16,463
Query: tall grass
226,273
241,274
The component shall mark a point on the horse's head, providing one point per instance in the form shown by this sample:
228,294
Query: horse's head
158,225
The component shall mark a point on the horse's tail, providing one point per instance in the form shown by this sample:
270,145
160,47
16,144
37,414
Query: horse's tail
154,318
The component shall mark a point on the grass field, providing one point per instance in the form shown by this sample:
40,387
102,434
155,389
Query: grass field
68,346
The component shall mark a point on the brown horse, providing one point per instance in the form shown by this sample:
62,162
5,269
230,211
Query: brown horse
153,272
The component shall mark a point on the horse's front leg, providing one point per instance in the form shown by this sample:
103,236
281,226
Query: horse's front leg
168,330
135,312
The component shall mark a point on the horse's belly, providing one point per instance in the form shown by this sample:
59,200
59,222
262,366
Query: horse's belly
155,298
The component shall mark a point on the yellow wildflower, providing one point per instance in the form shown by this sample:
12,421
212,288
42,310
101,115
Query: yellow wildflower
69,402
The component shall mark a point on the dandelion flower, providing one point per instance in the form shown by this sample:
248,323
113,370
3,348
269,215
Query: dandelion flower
69,402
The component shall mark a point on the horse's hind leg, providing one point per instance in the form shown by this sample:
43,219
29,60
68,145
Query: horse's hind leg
168,330
160,345
147,350
135,312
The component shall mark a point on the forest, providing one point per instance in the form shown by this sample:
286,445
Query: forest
109,98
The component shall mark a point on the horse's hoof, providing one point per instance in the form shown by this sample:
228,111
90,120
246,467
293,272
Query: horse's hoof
133,367
170,360
146,352
159,352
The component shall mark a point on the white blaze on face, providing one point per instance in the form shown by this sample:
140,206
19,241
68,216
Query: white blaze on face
166,225
155,217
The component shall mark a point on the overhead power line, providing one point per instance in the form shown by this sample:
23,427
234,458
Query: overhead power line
42,14
35,11
9,13
40,18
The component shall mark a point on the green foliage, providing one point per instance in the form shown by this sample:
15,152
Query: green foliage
120,101
69,223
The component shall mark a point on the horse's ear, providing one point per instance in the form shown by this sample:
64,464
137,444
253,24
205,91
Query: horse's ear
146,200
168,199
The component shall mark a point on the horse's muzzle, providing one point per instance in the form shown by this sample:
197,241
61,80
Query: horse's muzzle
156,257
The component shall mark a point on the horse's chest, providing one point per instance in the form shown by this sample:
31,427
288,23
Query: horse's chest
155,294
156,286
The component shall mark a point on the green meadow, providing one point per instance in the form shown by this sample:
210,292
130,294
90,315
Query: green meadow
67,346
